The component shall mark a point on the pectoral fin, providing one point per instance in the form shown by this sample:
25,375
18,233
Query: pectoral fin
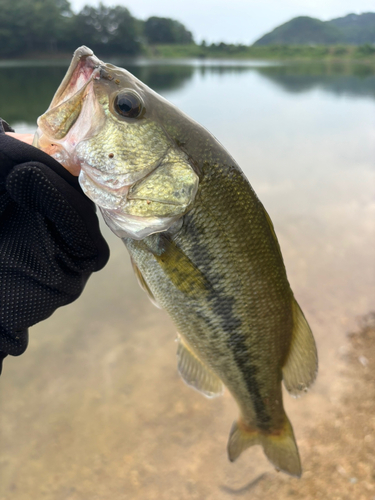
143,284
196,374
301,366
180,269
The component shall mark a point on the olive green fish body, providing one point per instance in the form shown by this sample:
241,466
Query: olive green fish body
238,320
222,280
201,244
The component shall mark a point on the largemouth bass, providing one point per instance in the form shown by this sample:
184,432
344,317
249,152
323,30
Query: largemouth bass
201,244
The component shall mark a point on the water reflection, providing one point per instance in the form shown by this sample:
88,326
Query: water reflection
25,92
351,80
162,77
95,409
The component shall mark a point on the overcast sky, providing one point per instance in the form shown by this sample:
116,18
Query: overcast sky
235,21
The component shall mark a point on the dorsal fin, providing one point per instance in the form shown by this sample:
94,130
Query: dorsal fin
270,224
197,374
301,365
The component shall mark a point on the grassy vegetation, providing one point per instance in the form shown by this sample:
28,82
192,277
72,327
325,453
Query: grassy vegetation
360,53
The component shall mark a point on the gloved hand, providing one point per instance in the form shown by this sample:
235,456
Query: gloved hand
50,241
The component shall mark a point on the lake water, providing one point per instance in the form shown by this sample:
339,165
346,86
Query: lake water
95,408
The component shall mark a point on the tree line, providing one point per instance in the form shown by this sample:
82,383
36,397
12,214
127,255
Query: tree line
51,27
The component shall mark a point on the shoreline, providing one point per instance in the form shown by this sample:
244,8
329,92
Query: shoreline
333,54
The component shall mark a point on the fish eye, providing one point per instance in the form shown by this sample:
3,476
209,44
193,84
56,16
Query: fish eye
128,104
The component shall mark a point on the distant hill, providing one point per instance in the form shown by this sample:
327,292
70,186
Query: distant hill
354,29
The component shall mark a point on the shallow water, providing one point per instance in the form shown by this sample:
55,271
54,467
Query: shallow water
95,407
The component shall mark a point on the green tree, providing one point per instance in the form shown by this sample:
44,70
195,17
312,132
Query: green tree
107,30
37,26
165,30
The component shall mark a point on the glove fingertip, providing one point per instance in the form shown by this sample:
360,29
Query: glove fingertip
3,355
5,127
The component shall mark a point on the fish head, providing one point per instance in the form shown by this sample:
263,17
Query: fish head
106,126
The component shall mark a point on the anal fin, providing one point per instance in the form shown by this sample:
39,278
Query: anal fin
301,365
196,374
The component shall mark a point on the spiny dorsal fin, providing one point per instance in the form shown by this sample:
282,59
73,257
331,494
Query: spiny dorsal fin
301,365
195,373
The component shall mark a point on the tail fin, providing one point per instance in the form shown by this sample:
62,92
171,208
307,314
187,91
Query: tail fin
280,448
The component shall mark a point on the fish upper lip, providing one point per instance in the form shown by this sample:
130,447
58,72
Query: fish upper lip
84,63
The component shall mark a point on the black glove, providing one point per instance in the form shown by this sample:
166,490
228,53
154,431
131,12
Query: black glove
50,241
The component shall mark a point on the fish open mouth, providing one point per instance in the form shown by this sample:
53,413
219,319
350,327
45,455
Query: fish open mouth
56,134
84,66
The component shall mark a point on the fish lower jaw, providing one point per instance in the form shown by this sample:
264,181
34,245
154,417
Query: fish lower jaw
106,179
137,228
111,203
101,195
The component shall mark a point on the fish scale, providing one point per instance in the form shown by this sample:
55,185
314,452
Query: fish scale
231,316
201,244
